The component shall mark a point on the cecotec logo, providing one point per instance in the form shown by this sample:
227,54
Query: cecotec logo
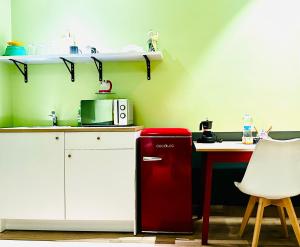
165,145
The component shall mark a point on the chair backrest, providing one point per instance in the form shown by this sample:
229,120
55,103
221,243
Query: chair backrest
274,169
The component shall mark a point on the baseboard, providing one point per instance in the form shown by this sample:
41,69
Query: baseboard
68,225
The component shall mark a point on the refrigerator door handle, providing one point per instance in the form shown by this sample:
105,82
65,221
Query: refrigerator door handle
145,158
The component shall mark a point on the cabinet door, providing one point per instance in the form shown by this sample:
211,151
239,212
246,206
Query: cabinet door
100,184
32,175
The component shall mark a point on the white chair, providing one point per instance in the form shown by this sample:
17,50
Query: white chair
272,178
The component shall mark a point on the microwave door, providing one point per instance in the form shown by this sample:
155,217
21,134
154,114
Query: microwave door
104,112
96,112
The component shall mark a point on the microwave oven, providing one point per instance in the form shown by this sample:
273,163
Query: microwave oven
106,112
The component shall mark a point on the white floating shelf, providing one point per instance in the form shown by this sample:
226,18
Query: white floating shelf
84,58
70,60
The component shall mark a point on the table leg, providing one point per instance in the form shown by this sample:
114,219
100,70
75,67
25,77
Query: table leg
207,198
212,158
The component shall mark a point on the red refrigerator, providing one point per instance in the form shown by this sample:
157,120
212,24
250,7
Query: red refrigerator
166,180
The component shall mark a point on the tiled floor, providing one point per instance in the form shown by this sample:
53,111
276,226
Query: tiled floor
223,232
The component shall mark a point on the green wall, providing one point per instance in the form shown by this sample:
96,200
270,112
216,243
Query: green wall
5,86
222,58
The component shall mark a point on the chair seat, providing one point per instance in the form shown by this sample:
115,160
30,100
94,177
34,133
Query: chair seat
268,195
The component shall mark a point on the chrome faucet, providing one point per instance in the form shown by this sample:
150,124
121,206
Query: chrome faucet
54,118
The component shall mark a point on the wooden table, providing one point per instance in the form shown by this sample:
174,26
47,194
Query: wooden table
227,151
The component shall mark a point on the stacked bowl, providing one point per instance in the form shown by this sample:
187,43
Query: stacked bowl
15,48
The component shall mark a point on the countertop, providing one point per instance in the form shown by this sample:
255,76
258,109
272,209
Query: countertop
70,129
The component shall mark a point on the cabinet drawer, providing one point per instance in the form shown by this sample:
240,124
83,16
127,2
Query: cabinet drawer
100,140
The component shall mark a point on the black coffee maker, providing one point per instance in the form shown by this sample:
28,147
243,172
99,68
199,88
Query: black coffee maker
207,135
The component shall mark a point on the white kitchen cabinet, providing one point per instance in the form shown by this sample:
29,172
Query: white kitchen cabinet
32,176
72,179
100,185
100,177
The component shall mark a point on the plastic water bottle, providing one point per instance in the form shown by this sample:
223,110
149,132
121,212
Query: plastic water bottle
247,129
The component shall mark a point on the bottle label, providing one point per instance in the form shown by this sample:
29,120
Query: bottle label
247,127
247,140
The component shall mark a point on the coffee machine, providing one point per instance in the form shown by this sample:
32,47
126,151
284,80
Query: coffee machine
207,135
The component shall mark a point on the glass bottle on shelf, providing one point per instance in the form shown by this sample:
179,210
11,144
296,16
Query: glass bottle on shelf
152,41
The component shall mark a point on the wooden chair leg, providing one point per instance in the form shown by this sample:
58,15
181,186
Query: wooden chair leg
281,213
293,218
248,212
260,211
